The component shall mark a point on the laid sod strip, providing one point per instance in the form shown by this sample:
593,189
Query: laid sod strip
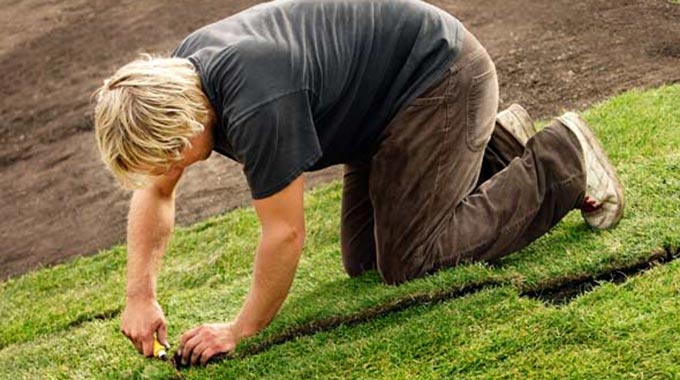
330,324
616,331
206,273
558,291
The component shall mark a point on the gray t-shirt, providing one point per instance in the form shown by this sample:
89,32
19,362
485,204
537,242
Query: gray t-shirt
300,85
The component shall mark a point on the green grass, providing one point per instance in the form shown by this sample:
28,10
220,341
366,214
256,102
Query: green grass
49,327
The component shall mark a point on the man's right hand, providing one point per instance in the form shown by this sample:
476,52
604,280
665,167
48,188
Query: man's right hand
140,321
150,223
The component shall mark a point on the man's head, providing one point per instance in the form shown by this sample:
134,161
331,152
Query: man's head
146,115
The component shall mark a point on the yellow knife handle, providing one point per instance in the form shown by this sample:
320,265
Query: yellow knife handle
159,350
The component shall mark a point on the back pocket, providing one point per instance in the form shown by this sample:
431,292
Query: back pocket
482,105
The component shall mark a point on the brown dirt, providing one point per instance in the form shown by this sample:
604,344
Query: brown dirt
59,202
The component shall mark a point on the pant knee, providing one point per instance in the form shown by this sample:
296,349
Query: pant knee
356,264
354,270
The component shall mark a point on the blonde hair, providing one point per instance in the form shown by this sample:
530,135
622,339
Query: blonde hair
145,115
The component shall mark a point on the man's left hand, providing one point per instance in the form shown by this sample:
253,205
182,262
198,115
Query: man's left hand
205,341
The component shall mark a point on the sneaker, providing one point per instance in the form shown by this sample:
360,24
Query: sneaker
602,206
516,120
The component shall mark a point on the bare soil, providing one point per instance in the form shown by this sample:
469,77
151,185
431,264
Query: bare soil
58,201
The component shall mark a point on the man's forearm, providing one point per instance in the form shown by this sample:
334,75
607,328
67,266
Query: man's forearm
278,253
276,261
150,224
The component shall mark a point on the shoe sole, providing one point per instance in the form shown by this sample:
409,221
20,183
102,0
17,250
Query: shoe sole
577,125
516,121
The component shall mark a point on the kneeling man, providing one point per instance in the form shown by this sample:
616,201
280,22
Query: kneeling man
396,90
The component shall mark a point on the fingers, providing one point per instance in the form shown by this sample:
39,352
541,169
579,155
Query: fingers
197,352
188,335
206,355
147,346
142,322
199,345
203,342
135,342
138,345
147,340
163,334
143,343
203,352
189,347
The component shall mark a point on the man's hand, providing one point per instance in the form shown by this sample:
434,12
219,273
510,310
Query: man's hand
140,321
205,341
150,223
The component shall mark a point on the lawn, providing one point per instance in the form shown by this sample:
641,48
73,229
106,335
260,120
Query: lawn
62,322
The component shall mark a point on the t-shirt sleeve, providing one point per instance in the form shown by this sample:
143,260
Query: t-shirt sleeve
276,142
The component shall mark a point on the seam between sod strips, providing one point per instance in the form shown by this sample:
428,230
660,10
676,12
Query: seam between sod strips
555,292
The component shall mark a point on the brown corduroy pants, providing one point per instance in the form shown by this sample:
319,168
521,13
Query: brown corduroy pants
447,186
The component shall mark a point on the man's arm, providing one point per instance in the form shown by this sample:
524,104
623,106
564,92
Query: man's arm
276,260
278,254
150,223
